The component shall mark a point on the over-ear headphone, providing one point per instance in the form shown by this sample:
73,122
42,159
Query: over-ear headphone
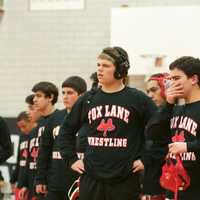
121,60
163,80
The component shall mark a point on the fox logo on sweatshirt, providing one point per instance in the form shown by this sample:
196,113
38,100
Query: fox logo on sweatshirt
106,126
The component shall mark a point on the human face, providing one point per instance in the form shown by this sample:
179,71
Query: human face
24,126
33,114
154,92
179,78
69,96
41,102
105,72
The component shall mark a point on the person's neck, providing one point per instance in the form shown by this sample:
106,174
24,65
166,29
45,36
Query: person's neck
115,87
33,125
68,110
194,95
49,109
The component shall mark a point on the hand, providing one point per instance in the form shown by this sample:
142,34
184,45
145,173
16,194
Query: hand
41,189
177,147
13,188
137,166
78,166
174,92
167,156
143,197
22,193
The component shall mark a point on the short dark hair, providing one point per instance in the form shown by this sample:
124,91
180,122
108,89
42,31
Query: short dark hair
158,75
23,116
48,89
94,79
29,99
77,83
189,65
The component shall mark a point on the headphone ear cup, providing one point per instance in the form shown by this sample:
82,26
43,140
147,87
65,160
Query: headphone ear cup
117,75
121,69
121,61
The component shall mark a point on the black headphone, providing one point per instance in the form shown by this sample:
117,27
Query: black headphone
121,60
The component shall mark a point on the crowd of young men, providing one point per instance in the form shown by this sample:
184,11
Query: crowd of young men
120,131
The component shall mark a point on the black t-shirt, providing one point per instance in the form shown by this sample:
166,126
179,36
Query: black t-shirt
115,137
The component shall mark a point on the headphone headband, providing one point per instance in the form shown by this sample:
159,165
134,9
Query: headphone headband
163,80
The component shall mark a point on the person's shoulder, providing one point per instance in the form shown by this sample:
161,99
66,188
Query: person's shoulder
61,112
55,113
51,115
88,95
91,92
33,132
135,91
141,99
58,114
40,120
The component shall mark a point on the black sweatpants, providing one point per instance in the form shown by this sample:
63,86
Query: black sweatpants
92,189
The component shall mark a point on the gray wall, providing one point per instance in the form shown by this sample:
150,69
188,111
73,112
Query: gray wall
52,45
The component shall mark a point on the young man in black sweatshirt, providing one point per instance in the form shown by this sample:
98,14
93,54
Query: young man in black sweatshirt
45,97
116,116
25,126
155,151
183,120
155,87
51,170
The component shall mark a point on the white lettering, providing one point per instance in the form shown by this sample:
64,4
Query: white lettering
107,142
